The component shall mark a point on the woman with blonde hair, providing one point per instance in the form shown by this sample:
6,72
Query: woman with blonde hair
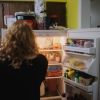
22,68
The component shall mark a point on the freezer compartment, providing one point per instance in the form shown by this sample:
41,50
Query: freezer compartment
76,93
78,85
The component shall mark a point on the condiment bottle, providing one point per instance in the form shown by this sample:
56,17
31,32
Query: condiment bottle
58,58
65,73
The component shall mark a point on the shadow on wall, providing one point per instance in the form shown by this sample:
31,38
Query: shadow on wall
98,26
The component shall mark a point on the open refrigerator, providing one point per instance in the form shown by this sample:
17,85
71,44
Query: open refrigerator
59,46
79,51
50,44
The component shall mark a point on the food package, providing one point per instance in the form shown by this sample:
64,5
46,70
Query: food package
48,43
71,73
86,81
77,63
56,43
54,71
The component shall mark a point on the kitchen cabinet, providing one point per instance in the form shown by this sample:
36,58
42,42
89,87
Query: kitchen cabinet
53,8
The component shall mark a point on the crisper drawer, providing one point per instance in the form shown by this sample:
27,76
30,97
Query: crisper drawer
78,85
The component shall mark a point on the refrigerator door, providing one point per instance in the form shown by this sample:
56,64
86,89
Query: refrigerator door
83,58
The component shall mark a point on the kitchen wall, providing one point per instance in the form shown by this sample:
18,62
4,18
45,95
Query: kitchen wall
72,14
95,13
78,14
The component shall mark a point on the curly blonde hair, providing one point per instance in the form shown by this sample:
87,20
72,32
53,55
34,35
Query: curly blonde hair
19,43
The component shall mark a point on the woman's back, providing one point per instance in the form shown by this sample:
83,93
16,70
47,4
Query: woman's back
22,83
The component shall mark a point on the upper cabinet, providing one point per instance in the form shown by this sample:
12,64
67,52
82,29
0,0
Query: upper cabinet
7,7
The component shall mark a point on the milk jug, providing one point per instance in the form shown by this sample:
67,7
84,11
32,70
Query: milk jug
42,89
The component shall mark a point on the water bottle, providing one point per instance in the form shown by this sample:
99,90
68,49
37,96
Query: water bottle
42,89
63,96
77,77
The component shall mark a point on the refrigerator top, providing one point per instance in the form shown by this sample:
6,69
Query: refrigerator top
84,33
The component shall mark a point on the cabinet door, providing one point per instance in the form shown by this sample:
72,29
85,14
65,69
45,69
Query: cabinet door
7,8
59,9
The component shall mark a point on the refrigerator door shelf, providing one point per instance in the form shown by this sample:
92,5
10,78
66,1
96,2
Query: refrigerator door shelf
49,50
89,63
85,70
80,54
89,70
91,50
78,85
